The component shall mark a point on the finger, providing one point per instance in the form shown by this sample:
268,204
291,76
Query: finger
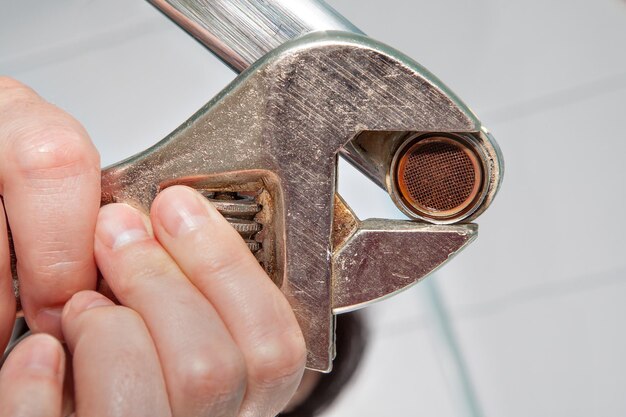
50,181
253,308
31,380
204,370
116,367
7,297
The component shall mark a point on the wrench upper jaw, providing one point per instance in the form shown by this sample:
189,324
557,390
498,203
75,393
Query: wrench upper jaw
377,258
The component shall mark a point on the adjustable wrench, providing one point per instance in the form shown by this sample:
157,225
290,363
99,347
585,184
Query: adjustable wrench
265,151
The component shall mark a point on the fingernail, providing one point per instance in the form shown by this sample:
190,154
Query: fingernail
43,354
99,302
120,225
182,211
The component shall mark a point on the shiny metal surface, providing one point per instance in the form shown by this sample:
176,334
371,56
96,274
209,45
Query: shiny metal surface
377,258
406,252
242,31
239,207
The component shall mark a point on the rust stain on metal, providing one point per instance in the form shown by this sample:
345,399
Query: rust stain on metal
345,222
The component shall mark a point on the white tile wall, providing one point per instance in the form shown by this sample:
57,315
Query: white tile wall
555,352
531,315
389,386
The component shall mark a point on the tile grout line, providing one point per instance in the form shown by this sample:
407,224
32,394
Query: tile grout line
449,352
565,287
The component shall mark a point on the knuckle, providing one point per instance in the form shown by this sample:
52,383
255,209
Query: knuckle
59,261
55,264
278,360
210,376
53,151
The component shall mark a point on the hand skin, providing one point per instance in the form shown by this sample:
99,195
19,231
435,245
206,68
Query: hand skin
202,330
50,184
227,339
206,335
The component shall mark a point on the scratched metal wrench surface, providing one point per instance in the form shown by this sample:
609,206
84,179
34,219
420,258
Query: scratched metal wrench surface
278,129
242,31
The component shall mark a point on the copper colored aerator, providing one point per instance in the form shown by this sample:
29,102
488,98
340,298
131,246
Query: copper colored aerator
439,177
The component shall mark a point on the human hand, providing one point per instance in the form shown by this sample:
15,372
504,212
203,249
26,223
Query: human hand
204,330
50,184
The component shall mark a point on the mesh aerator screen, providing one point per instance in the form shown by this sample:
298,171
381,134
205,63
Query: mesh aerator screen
439,176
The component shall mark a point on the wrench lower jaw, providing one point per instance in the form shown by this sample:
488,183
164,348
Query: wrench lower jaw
383,257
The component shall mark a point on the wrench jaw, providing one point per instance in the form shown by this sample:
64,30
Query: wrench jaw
377,258
275,132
